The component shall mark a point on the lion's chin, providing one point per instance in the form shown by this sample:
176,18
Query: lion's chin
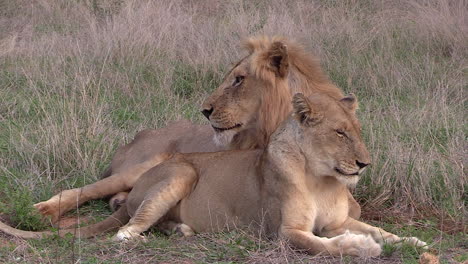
223,129
349,181
224,138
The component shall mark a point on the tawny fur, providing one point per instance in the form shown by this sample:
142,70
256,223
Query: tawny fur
295,188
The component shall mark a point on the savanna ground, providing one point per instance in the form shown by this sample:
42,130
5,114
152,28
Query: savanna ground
80,78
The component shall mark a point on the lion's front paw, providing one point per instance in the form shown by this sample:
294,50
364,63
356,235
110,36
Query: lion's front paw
126,235
357,245
415,242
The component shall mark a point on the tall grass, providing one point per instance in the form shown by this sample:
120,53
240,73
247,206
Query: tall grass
79,78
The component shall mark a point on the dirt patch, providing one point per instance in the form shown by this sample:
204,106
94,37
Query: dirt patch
5,242
428,258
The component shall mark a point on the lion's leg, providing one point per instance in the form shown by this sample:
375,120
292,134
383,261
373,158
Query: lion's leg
354,207
378,234
123,181
120,198
346,244
159,199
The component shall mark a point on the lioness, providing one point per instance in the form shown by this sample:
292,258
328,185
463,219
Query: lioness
296,187
244,111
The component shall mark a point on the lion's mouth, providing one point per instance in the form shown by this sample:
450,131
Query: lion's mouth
340,171
221,129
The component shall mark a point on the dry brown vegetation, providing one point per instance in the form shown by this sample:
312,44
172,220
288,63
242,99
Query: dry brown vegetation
79,78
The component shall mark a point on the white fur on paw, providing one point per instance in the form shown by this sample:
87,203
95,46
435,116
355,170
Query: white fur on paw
357,245
415,242
125,235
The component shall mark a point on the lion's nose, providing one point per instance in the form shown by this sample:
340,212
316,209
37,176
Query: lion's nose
207,112
361,164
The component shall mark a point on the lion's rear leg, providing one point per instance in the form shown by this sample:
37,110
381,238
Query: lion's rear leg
119,182
120,198
159,199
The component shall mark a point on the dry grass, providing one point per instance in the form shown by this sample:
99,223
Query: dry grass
79,78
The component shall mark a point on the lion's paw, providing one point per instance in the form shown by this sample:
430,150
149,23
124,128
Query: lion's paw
357,245
48,208
126,235
415,242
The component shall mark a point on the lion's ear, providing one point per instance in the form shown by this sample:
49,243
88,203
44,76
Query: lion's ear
268,56
304,111
350,102
278,59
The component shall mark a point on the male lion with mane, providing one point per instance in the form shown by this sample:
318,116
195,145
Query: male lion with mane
296,187
243,111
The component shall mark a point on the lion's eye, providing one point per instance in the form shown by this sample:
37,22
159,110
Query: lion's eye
238,80
340,133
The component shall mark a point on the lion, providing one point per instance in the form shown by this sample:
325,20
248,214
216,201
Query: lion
295,188
262,83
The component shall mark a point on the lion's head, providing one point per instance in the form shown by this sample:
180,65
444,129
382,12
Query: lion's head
255,95
329,135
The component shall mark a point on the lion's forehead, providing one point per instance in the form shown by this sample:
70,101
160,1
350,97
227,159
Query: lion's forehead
343,118
342,121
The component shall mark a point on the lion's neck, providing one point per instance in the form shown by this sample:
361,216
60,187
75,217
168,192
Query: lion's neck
247,139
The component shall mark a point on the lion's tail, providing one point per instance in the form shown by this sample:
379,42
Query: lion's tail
114,221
